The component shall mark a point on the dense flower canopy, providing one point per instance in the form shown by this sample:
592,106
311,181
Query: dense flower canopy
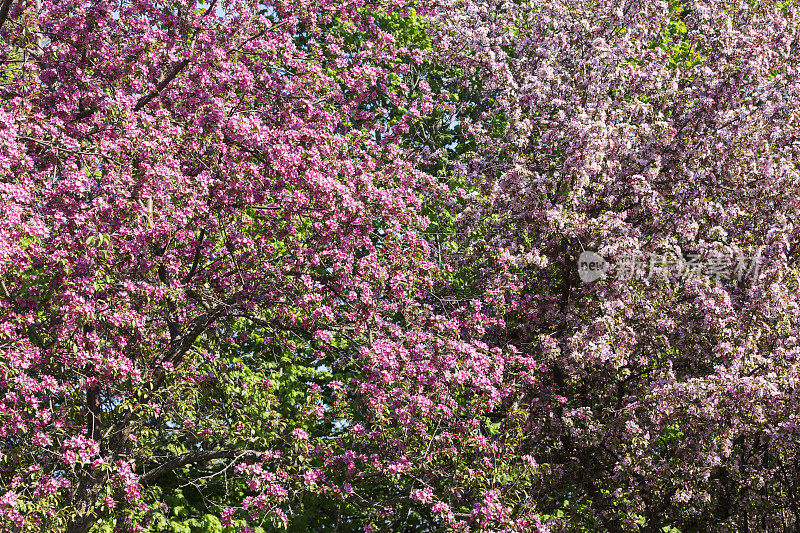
316,265
650,131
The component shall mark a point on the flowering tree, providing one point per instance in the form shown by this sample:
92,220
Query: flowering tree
175,178
314,265
663,394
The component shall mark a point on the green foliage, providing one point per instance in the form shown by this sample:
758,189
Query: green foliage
682,51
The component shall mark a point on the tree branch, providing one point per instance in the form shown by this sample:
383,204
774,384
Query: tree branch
144,100
181,344
196,259
196,457
210,7
4,11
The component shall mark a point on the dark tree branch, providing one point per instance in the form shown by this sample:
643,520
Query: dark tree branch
4,11
144,100
181,344
196,259
93,427
316,277
210,7
196,457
